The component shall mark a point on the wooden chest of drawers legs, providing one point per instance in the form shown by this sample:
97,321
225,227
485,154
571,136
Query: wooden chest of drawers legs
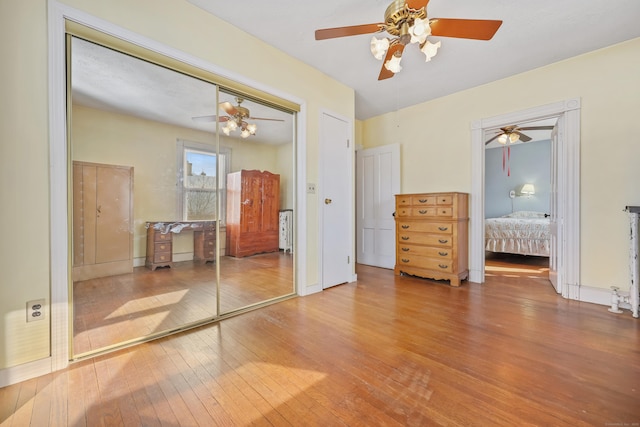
432,236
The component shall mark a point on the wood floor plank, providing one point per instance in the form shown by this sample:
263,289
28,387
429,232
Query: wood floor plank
385,350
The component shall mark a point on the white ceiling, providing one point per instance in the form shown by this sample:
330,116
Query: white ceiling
108,80
533,34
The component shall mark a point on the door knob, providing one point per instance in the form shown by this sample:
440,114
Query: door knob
327,201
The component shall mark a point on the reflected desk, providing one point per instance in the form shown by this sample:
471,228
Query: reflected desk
160,241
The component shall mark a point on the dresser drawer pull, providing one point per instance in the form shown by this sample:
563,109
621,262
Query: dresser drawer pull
423,200
442,240
443,266
422,211
405,226
443,228
405,260
405,249
404,238
443,253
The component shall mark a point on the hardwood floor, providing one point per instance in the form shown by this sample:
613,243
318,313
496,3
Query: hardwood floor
111,310
385,350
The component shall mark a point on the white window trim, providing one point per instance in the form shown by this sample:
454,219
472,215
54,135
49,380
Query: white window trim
182,145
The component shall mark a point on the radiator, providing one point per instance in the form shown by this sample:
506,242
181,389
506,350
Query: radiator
286,230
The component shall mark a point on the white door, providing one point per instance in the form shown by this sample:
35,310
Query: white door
377,181
557,214
336,174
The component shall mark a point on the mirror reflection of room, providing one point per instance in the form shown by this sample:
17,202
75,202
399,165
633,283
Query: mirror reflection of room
151,251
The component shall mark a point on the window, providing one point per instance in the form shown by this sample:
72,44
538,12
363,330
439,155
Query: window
199,182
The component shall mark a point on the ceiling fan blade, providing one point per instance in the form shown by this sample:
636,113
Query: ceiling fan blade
332,33
228,108
262,118
210,118
537,128
489,140
417,4
478,29
384,73
523,137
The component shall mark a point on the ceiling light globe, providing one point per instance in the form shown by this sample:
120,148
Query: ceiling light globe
245,133
232,125
393,64
226,130
379,47
430,50
502,139
514,137
252,128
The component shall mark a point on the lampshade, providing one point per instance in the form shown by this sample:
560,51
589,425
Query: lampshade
528,190
419,31
252,128
379,47
513,137
245,133
430,49
502,139
393,64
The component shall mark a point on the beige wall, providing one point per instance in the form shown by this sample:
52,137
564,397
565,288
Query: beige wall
150,147
24,155
436,151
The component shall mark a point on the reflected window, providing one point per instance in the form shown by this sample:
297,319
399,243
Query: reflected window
202,182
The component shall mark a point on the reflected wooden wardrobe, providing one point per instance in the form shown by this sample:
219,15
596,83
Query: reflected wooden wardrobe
253,199
102,220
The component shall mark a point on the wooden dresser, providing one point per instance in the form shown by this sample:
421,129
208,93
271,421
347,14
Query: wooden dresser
160,241
432,232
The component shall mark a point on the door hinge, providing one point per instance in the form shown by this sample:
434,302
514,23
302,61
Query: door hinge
347,143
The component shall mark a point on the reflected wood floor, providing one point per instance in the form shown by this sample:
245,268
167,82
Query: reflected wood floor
110,310
385,350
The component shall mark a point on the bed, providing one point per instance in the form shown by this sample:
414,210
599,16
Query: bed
522,232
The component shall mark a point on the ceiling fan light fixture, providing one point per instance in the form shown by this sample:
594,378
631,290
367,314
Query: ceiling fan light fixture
252,128
232,125
379,47
502,139
393,64
245,133
430,50
226,130
419,31
514,137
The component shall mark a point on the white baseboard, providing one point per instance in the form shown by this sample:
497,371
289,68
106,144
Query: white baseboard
601,296
24,372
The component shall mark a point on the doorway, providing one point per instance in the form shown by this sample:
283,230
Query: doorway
566,189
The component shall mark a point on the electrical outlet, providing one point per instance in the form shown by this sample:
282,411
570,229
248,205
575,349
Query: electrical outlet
35,310
311,188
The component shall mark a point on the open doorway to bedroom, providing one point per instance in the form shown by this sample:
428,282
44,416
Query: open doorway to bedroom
517,205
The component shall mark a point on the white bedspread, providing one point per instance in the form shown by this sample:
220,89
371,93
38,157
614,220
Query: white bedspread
525,233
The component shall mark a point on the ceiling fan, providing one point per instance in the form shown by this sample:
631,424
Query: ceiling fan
407,22
236,119
513,134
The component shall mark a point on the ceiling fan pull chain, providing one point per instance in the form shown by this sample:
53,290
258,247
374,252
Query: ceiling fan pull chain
508,161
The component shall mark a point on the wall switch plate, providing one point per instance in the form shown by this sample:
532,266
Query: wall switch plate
35,310
311,188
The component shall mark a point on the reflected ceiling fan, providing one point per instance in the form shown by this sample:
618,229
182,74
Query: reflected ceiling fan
407,22
236,119
513,134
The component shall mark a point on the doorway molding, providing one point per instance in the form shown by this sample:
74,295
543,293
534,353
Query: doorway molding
58,174
568,188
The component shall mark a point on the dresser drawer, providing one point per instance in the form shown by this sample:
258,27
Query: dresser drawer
424,211
161,237
161,257
425,239
416,261
444,199
427,251
421,200
426,227
162,247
